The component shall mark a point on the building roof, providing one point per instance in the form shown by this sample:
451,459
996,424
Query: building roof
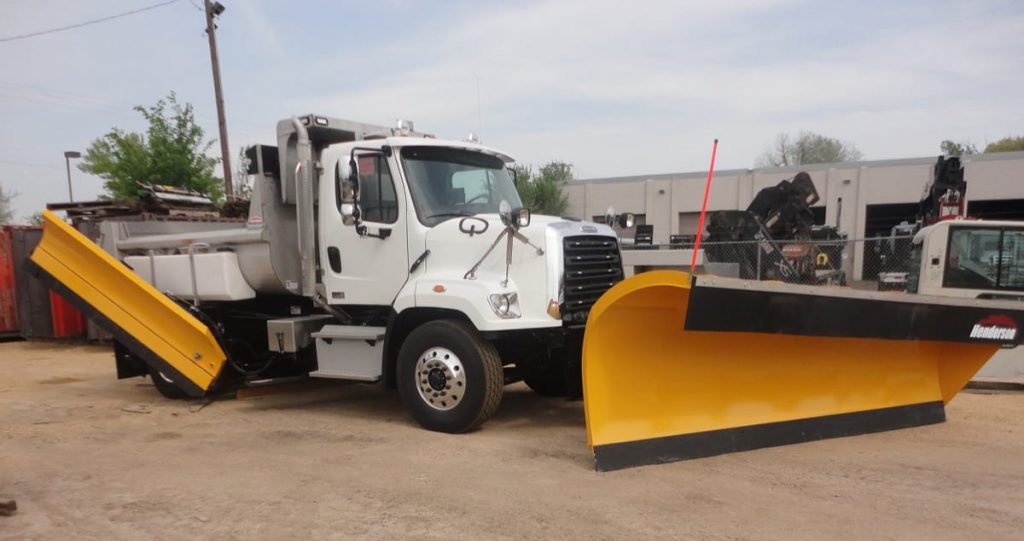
701,175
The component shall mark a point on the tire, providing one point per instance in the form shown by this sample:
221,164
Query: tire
165,386
449,378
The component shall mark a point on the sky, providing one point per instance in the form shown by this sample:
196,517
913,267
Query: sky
614,88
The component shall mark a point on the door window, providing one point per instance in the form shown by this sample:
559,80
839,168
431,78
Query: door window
378,201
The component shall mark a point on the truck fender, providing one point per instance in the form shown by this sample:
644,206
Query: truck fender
400,324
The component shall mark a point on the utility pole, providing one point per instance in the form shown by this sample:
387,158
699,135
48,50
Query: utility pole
67,161
213,9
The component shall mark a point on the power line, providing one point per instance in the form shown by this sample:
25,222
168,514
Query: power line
30,164
51,96
85,23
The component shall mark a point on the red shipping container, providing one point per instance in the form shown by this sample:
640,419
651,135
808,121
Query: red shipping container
68,322
8,302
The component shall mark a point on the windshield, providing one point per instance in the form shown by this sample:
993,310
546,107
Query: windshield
452,182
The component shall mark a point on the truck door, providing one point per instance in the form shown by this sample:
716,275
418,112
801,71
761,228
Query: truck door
367,261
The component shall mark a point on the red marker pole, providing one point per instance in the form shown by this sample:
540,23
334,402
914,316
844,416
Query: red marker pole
704,207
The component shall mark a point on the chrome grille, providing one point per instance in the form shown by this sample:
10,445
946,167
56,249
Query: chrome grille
592,265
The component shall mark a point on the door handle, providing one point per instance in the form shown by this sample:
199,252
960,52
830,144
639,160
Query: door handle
381,233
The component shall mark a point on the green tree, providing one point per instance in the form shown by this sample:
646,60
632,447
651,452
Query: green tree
1006,144
6,212
807,147
36,218
544,192
171,152
954,148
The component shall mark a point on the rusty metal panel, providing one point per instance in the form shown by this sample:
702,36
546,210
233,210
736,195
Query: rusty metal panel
8,302
33,297
68,321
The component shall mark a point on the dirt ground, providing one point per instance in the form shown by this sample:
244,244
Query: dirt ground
87,456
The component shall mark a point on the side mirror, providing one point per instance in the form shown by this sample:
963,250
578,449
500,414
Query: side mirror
348,190
626,220
521,216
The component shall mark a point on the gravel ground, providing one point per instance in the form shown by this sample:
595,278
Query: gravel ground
87,456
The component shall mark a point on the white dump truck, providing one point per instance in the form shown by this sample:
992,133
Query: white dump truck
371,254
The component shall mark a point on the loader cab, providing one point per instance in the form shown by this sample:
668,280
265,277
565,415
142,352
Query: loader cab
970,259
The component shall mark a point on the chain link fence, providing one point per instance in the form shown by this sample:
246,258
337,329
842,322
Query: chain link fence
870,263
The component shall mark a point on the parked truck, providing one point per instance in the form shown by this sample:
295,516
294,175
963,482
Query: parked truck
371,254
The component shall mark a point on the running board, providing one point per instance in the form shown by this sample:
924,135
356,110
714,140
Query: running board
138,315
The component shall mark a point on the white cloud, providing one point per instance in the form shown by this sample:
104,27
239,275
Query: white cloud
613,87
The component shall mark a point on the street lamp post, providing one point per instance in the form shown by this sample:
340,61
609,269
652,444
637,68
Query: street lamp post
67,161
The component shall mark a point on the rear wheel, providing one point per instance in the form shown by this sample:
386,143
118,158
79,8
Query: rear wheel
449,378
166,387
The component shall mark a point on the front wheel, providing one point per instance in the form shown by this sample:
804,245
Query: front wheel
449,378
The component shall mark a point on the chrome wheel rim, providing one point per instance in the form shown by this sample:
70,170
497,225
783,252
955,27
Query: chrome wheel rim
440,378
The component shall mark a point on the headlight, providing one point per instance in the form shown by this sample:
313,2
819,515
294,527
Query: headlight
505,305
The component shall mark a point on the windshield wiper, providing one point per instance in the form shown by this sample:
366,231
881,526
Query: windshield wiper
450,214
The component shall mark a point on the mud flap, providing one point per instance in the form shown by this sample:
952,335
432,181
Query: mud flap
676,369
140,317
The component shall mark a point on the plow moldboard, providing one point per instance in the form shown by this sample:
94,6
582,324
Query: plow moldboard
656,390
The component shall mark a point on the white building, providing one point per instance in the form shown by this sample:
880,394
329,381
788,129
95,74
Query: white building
865,199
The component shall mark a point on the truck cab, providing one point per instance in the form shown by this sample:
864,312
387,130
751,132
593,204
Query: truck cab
975,259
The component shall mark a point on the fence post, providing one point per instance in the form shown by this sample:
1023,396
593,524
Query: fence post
757,238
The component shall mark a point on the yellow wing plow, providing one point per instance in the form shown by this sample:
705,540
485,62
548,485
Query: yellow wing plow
139,316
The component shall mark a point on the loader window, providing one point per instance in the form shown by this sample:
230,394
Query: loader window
985,258
377,199
1011,267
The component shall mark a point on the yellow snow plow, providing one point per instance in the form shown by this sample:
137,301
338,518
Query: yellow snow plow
146,321
678,367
